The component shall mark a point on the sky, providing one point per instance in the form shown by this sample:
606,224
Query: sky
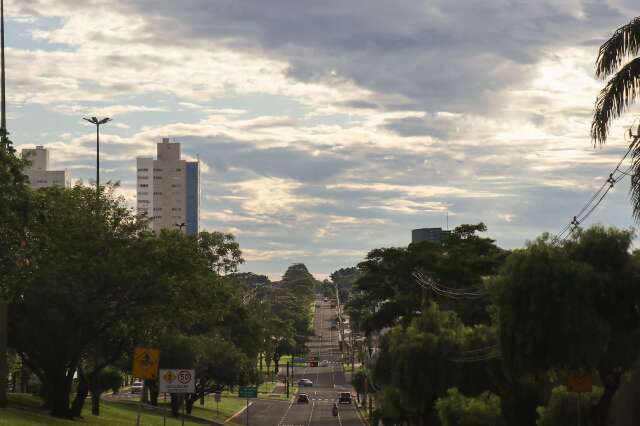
328,128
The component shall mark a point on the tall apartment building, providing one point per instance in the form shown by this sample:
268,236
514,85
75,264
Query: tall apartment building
434,235
38,170
169,189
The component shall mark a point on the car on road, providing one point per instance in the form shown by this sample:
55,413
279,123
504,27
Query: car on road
137,387
303,398
344,398
324,363
305,382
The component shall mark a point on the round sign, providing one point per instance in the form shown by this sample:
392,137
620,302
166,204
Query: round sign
184,377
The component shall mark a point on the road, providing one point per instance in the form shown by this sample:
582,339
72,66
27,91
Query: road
328,381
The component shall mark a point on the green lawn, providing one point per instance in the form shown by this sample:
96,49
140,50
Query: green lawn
24,410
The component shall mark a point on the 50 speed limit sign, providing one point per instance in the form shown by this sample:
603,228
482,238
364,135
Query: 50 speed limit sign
177,381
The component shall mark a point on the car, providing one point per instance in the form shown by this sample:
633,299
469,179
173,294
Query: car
344,398
305,382
303,398
326,300
324,363
137,386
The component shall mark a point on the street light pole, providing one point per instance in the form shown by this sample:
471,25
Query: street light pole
4,368
97,123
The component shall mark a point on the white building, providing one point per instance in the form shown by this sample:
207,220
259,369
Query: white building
169,189
38,170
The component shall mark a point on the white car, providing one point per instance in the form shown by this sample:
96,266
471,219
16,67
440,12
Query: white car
324,363
137,386
305,382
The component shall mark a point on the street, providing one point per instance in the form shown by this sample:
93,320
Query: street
328,381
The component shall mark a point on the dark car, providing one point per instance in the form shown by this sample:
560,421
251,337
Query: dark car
344,398
303,398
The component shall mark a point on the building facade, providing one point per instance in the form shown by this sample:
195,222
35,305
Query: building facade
434,235
168,189
38,169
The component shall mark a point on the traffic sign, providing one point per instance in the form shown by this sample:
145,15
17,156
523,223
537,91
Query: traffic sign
178,381
217,396
248,392
145,363
580,383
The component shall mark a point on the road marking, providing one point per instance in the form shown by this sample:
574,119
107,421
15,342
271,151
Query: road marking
285,413
311,414
238,413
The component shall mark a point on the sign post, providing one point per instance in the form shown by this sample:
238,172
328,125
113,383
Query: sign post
248,392
145,366
178,381
217,398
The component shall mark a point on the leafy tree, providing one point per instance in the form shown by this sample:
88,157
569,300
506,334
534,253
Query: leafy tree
298,281
221,251
14,212
572,308
415,366
387,291
563,408
93,269
458,410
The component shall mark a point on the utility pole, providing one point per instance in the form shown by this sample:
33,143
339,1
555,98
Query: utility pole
97,123
4,368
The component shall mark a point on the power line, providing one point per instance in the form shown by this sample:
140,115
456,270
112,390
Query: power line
596,199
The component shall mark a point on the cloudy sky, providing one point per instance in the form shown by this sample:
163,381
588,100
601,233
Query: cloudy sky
327,128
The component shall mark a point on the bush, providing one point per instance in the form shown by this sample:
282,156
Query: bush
562,408
458,410
110,379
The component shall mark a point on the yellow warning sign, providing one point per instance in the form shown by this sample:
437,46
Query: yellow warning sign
169,376
145,363
581,383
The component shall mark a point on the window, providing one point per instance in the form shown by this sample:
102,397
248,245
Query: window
143,177
157,170
143,170
176,209
157,177
178,170
157,193
176,185
143,201
157,209
143,193
144,185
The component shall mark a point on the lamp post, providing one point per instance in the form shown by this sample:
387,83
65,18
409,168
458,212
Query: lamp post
97,123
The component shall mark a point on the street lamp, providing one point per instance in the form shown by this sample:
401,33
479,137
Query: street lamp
97,123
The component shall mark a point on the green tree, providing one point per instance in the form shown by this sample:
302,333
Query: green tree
94,268
563,408
14,212
458,410
415,366
572,308
221,251
387,291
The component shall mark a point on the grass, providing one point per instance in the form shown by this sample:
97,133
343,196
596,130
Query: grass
227,407
25,410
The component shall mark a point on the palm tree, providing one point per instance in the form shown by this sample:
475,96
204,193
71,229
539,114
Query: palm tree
620,92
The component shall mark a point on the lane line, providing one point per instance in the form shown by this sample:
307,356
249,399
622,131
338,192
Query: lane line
283,417
313,405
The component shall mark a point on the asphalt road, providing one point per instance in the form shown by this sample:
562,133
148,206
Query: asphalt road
328,382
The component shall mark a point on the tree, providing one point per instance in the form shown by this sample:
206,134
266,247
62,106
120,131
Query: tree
563,408
221,251
458,410
415,366
572,308
617,59
387,291
94,268
14,212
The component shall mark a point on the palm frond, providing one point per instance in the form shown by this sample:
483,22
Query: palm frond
625,42
621,91
634,190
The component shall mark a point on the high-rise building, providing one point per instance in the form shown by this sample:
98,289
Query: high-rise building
38,169
435,235
169,189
